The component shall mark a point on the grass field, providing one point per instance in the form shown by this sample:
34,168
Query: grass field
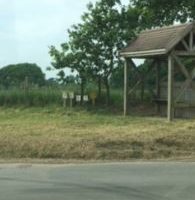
77,134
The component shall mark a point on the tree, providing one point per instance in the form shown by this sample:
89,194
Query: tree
94,45
64,80
61,77
71,79
102,34
82,37
103,22
15,75
164,12
70,57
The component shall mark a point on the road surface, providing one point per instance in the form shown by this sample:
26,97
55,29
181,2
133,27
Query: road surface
125,181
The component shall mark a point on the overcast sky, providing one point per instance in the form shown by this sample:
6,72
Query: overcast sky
29,27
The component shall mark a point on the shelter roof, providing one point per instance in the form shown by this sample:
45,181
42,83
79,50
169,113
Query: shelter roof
157,41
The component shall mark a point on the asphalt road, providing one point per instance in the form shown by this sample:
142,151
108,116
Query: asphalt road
127,181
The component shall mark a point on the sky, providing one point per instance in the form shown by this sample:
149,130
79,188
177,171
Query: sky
29,27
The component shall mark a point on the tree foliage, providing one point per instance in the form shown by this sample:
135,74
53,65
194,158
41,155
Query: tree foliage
65,80
15,75
164,12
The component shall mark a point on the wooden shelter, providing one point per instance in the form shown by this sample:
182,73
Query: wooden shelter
171,44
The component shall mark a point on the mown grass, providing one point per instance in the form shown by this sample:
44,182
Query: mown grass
53,132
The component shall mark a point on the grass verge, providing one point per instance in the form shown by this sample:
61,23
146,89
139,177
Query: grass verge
54,133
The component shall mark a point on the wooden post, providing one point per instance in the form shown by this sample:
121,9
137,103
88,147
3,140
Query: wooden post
170,106
191,40
126,84
158,66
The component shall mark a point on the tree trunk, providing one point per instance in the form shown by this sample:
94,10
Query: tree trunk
82,90
107,91
99,87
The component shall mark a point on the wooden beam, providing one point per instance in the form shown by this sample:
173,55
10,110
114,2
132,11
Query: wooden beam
137,68
126,84
170,107
146,74
141,82
183,89
186,73
186,53
134,87
185,45
133,65
182,67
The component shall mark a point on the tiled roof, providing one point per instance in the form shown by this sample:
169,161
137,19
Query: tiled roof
157,41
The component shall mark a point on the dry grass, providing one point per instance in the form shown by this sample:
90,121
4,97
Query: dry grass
54,133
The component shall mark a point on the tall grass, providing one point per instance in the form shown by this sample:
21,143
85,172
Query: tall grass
46,96
31,97
53,96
